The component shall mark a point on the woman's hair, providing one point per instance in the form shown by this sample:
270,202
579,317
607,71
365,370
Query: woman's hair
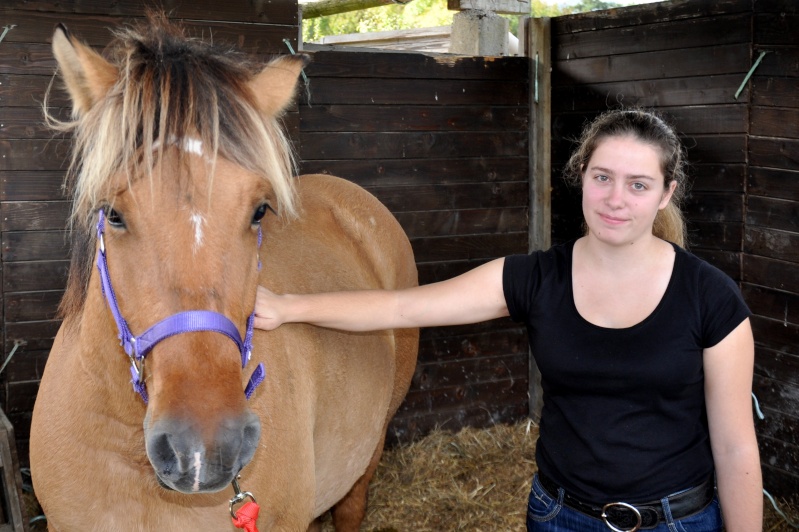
647,127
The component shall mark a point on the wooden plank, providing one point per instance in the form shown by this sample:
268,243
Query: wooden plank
469,247
717,177
775,6
772,273
776,395
38,335
652,93
717,60
775,122
716,149
775,92
772,213
28,123
20,396
462,222
26,365
32,306
776,28
673,34
780,62
32,276
771,243
412,427
404,66
26,58
511,7
715,207
539,38
31,185
715,235
452,197
33,154
778,336
34,245
780,455
773,152
647,14
773,182
96,30
417,172
431,272
778,482
28,91
773,304
283,12
472,346
476,370
34,215
341,118
424,400
434,92
411,145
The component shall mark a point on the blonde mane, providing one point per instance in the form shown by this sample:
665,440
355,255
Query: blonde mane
169,87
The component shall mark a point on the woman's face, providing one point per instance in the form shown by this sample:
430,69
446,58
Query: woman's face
623,190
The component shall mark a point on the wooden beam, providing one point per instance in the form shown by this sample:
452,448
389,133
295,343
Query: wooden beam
323,8
538,47
508,7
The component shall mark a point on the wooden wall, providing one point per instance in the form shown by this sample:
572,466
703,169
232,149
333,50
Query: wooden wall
33,210
687,59
770,268
443,142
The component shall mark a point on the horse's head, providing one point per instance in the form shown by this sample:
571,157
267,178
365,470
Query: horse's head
177,142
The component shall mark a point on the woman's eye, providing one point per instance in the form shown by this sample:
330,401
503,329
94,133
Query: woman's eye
639,187
115,219
260,212
602,178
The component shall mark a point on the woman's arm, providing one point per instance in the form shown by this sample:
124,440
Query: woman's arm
472,297
728,386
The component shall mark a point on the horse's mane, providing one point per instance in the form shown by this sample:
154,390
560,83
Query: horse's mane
169,87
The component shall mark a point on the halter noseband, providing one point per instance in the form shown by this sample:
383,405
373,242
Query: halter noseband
137,347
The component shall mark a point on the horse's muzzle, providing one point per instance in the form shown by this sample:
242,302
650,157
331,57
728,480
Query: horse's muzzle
185,462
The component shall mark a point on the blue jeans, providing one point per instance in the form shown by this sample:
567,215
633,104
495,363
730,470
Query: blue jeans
548,514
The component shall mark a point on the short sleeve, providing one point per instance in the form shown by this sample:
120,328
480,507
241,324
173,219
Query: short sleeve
723,306
520,283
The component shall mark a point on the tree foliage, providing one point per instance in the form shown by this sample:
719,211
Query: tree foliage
423,14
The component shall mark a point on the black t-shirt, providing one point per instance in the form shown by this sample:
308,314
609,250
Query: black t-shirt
624,409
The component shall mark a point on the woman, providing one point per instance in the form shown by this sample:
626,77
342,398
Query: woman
645,351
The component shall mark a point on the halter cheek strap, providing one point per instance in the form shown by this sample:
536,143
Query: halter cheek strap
137,347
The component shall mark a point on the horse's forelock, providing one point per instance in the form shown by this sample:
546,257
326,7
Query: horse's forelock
169,87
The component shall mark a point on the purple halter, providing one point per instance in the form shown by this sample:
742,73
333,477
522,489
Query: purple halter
137,347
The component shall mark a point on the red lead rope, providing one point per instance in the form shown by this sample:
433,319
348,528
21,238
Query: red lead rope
246,516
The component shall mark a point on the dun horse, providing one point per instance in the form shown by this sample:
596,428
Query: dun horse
178,164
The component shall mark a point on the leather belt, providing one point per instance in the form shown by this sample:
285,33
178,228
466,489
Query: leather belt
625,517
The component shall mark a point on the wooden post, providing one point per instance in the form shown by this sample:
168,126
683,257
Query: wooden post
538,48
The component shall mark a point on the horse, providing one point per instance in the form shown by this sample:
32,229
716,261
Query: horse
179,169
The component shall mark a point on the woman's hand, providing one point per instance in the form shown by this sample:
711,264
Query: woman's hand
267,310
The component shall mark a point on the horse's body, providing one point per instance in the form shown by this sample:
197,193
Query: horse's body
181,240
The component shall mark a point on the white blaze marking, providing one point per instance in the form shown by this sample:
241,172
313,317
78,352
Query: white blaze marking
197,221
198,464
194,146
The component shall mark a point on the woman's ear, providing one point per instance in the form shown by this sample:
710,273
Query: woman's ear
667,194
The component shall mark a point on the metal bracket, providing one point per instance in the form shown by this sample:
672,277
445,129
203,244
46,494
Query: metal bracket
749,74
6,29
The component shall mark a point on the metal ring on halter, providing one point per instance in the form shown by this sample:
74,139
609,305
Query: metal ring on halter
623,505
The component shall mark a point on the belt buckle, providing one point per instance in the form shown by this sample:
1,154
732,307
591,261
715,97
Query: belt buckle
625,506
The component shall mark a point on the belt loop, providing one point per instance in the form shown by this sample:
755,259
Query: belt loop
667,514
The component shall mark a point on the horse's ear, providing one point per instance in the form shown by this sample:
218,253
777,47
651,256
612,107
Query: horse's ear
274,86
87,75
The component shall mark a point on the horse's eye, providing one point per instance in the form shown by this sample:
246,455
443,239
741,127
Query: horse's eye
115,219
260,212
